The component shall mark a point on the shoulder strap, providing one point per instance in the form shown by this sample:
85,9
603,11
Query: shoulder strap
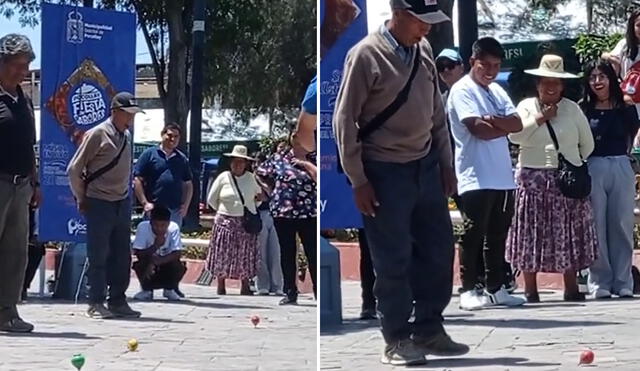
392,108
93,176
553,136
235,182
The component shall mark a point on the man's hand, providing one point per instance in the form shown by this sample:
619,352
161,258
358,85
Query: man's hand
449,181
366,200
160,240
148,206
36,197
184,209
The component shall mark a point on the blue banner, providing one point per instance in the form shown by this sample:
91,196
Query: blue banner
344,23
88,55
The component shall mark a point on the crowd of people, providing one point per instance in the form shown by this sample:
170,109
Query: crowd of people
261,208
566,207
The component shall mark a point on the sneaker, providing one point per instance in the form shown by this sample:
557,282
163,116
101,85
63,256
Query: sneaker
279,293
502,297
511,286
144,295
99,311
289,300
602,294
124,311
171,295
263,292
180,293
368,313
440,345
403,353
625,293
472,300
16,324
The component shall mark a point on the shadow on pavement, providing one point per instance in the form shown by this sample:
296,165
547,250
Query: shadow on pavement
151,319
51,335
528,323
218,305
463,363
350,325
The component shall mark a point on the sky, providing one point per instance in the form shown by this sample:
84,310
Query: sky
13,26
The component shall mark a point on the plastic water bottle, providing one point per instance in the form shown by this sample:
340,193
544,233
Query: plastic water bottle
582,278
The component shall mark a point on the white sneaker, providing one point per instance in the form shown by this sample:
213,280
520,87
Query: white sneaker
502,297
472,300
170,295
625,293
263,292
602,294
279,293
144,296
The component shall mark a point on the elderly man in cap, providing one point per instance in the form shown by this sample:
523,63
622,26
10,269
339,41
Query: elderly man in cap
18,180
398,160
99,175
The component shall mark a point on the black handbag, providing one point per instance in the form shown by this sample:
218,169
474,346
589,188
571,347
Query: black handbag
573,181
251,222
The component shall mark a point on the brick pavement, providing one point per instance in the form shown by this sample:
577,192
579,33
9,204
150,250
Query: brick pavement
546,336
208,332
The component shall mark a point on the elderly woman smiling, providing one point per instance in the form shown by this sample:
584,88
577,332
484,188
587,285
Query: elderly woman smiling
550,232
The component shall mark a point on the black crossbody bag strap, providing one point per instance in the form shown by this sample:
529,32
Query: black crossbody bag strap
93,176
235,182
553,136
392,108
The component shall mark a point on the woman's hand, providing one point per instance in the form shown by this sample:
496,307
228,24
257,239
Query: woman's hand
547,112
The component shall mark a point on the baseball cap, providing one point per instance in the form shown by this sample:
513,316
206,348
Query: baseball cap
425,10
450,54
126,102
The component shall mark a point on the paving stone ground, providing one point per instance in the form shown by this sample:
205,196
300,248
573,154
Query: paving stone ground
546,336
207,332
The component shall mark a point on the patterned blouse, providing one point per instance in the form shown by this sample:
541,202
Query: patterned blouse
294,193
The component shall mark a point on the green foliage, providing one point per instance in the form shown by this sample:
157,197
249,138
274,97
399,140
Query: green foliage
590,47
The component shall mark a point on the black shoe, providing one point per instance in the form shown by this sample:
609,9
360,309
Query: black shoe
123,311
532,297
403,353
368,313
180,293
440,345
574,297
289,300
16,324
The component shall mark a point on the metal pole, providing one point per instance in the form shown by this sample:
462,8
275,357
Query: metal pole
195,137
467,27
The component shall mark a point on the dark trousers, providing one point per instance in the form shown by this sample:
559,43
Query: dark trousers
166,276
367,277
287,229
108,249
487,217
36,252
411,243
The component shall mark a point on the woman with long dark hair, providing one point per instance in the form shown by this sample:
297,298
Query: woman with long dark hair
626,53
614,125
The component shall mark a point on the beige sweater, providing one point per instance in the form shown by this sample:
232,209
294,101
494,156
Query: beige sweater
99,147
224,198
372,78
536,147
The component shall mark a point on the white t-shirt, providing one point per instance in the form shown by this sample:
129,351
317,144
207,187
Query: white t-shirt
223,195
479,163
145,238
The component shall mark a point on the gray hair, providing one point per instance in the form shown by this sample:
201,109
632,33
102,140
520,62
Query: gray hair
15,44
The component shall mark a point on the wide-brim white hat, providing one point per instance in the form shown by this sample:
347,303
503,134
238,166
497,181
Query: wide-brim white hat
551,66
240,151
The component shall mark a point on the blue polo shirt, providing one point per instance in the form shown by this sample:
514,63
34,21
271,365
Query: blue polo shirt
309,103
163,177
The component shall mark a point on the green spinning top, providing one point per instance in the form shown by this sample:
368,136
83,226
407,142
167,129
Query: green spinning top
77,361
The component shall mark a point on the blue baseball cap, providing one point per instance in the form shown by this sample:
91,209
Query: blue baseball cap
449,54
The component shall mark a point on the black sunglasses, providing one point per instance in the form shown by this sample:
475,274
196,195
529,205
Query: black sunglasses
443,65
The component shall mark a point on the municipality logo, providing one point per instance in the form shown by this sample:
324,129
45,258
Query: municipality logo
75,27
76,227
